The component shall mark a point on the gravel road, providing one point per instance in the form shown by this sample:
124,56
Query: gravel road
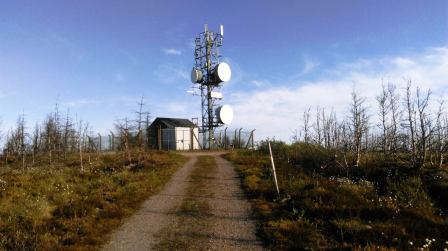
227,224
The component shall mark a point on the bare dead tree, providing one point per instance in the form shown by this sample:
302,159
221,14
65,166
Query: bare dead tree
425,123
330,130
67,135
358,125
411,122
81,140
306,125
147,122
318,127
395,114
22,137
384,109
36,142
439,137
139,123
1,137
123,127
346,141
443,140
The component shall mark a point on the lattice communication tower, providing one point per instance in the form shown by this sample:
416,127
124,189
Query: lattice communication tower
210,73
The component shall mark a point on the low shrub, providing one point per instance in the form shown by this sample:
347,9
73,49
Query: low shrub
64,208
373,208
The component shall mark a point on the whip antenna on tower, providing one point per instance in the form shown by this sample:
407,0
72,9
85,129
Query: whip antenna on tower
210,73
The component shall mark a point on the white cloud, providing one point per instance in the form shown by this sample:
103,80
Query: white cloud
172,51
277,110
79,103
308,67
260,82
169,74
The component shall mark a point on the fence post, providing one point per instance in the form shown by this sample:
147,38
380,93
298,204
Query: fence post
112,145
225,138
159,138
197,140
235,139
99,143
252,135
239,138
250,140
191,138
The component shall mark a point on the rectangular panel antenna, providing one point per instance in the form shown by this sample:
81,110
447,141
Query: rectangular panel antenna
222,30
217,95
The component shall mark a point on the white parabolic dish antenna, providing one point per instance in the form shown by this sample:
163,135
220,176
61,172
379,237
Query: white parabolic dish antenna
225,114
196,76
223,72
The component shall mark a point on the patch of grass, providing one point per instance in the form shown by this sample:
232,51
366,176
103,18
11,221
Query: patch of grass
185,235
64,208
323,211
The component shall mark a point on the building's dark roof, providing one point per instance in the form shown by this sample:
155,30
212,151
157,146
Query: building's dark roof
173,122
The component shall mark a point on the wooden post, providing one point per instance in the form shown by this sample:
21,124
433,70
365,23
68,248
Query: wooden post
273,168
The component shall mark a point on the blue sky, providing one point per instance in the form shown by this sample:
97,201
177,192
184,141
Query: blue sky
97,58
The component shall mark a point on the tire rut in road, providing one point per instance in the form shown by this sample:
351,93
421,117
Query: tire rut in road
139,231
215,215
201,208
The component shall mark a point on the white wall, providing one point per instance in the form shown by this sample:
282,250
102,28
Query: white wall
183,138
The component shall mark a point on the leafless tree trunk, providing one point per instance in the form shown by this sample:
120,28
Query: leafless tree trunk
306,125
425,126
139,123
410,108
22,135
123,129
384,112
82,134
36,142
395,116
67,135
318,127
359,120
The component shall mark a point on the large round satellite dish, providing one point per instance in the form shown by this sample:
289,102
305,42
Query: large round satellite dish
196,76
223,72
225,114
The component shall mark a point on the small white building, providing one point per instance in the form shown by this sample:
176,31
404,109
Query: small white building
173,134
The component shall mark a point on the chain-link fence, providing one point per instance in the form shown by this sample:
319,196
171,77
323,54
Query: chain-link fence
180,138
229,138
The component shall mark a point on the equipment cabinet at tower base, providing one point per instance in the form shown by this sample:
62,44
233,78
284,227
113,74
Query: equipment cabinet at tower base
173,134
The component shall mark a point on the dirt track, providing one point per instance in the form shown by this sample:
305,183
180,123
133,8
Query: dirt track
224,223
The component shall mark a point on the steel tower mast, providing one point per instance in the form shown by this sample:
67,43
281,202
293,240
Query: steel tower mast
208,72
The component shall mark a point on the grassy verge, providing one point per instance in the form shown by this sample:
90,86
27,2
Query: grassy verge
185,235
331,212
64,208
